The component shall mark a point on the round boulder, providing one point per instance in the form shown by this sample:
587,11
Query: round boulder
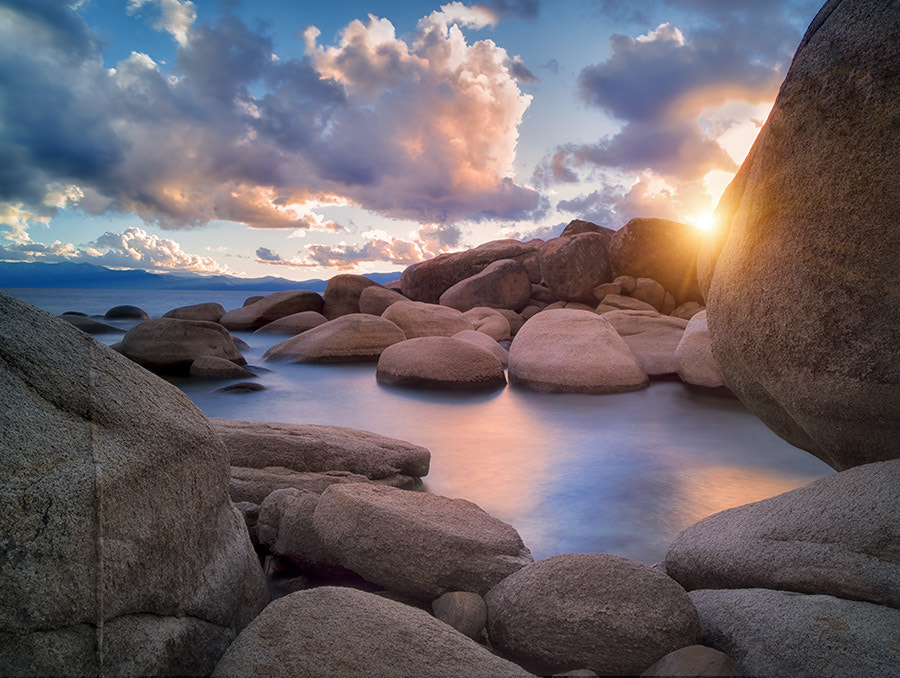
350,338
254,315
463,610
569,351
126,312
598,611
573,266
483,341
803,275
693,355
210,312
695,661
90,326
418,319
502,284
417,544
170,346
211,367
342,294
294,324
440,362
651,337
375,299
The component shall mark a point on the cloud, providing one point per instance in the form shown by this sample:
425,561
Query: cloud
266,254
514,9
422,127
132,248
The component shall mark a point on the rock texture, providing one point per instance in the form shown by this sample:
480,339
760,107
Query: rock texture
343,632
417,544
169,346
802,280
294,324
572,351
484,341
210,312
839,536
441,363
120,545
693,355
309,447
126,312
577,226
418,319
211,367
695,660
777,633
89,325
573,266
255,484
652,338
342,294
502,284
598,611
491,322
350,338
376,299
463,610
254,315
428,280
663,250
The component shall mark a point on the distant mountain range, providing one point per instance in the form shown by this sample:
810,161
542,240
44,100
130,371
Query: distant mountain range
88,276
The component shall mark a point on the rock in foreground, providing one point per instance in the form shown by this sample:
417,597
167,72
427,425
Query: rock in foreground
115,506
343,632
417,544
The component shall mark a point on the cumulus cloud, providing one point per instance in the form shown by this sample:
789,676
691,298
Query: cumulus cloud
422,127
132,248
660,85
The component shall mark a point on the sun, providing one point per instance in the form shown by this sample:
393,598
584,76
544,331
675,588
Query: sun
705,222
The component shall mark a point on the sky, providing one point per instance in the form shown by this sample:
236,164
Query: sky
302,139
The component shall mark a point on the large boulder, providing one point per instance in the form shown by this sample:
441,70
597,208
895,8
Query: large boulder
350,338
210,312
419,319
126,312
89,325
577,226
651,337
491,322
695,661
442,363
121,550
170,346
342,294
375,299
211,367
255,484
803,276
598,611
333,631
663,250
779,633
482,340
254,315
573,266
417,544
570,351
310,447
428,280
837,536
693,355
293,324
502,284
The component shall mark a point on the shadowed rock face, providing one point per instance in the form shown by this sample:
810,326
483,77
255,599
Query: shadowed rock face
803,278
120,548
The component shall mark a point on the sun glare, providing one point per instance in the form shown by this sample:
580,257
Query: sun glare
704,222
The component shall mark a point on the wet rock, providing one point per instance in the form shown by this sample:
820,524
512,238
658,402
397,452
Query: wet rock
441,363
293,324
418,319
333,631
342,294
350,338
126,312
271,307
598,611
502,284
417,544
210,312
573,352
573,266
242,387
170,346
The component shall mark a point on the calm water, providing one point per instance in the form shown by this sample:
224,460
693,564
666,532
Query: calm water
573,473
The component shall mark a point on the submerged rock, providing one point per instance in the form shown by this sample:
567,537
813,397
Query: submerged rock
90,326
126,312
210,312
294,324
170,346
211,367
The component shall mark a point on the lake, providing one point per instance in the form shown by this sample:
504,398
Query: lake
572,473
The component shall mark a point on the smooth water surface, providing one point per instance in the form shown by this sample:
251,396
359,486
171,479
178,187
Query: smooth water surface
573,473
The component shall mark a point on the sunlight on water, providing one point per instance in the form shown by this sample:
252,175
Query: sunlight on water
572,473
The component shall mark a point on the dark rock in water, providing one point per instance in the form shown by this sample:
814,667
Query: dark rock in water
440,363
210,367
90,326
113,484
240,344
577,226
428,280
663,250
294,324
778,633
803,276
415,543
170,346
573,266
502,284
210,312
75,313
355,337
695,660
271,307
598,611
241,387
342,294
836,536
253,299
332,631
126,312
309,447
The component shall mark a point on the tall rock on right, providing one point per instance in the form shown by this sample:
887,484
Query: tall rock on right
802,280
